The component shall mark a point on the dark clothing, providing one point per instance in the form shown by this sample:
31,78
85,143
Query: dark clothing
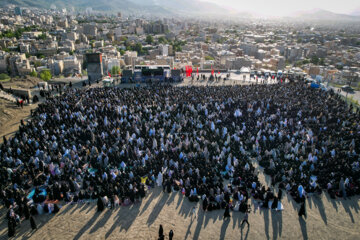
100,204
302,210
161,231
171,235
280,194
32,223
205,204
227,212
11,227
245,221
56,209
26,211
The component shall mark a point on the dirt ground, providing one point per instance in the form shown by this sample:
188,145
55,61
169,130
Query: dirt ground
26,82
10,116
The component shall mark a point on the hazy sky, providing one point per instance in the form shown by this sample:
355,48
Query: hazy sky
283,7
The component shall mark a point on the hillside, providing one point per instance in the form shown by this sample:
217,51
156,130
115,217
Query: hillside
170,7
323,15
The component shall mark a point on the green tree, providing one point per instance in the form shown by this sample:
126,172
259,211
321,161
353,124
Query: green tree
45,75
299,63
122,52
37,64
4,76
138,48
315,60
322,61
42,36
162,40
33,74
123,38
207,58
115,70
339,67
9,34
149,39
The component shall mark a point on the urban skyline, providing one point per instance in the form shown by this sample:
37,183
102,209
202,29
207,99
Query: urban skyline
138,119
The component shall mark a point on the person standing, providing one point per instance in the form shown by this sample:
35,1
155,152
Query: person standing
32,223
11,227
171,235
161,232
280,194
245,219
302,211
100,204
342,187
26,211
227,212
194,212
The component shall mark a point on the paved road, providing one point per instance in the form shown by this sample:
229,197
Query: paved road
355,95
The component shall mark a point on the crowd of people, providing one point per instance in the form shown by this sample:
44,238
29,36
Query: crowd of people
112,144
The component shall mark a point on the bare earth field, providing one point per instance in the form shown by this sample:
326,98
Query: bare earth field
10,116
24,82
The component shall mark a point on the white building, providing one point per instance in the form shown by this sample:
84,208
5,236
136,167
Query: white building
112,62
72,65
164,49
118,31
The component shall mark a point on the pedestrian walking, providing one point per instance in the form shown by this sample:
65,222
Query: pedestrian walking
245,219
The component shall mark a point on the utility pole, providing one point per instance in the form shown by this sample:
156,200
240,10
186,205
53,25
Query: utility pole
351,77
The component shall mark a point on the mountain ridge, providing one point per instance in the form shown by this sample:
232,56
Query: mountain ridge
321,14
174,8
170,7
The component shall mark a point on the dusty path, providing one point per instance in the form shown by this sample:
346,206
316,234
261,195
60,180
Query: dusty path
10,116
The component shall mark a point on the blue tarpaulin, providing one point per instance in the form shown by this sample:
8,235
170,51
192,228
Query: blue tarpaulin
314,85
32,193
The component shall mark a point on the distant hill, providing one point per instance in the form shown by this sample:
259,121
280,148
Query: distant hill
323,15
167,7
104,5
183,6
356,12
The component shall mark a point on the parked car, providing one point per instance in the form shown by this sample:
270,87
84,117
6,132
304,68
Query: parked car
347,88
